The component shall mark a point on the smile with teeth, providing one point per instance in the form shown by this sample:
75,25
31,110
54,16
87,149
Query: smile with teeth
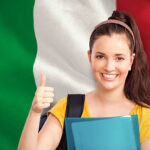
109,77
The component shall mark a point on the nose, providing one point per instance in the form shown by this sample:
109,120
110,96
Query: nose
109,65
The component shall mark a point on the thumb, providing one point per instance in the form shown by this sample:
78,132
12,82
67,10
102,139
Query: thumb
43,79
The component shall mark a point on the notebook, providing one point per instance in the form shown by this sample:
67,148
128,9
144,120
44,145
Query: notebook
105,133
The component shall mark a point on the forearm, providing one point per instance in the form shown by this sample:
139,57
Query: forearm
28,140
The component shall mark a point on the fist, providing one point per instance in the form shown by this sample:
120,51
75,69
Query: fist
43,96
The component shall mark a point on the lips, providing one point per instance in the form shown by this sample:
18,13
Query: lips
109,77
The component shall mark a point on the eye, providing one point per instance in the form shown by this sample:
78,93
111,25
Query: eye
100,56
120,58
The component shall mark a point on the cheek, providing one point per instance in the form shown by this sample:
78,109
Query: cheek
96,66
123,68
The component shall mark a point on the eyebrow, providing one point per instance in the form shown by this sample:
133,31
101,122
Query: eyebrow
119,54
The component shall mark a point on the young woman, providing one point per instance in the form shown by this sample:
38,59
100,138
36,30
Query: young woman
120,67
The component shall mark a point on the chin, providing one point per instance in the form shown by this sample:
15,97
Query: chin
108,87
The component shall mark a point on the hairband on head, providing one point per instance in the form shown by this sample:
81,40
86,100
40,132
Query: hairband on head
120,23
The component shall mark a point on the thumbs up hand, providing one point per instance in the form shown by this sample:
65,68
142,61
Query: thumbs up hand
43,96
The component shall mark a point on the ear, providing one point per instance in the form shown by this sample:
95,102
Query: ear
89,56
132,60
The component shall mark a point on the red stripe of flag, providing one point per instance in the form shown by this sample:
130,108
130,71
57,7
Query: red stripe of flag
140,10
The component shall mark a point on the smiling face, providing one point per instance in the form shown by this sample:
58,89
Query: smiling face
111,59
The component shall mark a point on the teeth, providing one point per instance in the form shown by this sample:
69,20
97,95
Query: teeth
109,76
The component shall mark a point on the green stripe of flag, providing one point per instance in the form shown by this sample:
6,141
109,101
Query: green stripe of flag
17,55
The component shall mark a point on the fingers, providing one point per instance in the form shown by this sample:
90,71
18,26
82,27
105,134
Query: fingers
41,102
44,92
45,89
41,106
43,79
43,96
44,100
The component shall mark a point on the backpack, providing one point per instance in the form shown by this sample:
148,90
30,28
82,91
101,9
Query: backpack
74,108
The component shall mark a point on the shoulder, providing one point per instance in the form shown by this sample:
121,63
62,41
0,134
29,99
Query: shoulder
59,109
145,115
144,112
144,122
61,104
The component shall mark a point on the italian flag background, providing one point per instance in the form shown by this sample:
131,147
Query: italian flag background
50,36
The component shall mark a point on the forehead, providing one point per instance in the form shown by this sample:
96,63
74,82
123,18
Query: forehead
113,44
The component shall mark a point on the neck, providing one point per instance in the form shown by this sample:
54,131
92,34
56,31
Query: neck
109,97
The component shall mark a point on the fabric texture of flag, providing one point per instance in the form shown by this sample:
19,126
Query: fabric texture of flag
51,37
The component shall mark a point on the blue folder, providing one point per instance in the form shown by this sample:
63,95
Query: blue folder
105,133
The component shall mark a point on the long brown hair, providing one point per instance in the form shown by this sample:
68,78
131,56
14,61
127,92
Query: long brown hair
137,85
